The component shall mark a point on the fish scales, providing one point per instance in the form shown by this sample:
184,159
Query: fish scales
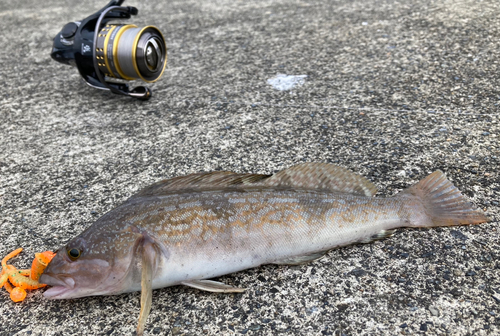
222,232
189,229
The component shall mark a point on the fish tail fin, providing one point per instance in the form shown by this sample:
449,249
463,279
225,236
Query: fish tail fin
443,203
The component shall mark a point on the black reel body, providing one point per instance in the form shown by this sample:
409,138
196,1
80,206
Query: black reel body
109,54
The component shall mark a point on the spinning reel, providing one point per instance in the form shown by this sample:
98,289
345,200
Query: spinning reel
107,55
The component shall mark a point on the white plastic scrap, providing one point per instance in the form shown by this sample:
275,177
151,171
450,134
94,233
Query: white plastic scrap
284,82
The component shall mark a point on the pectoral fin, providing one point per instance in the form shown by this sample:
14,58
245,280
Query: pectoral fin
303,259
148,263
212,286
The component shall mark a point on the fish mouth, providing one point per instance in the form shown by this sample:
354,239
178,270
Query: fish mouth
61,286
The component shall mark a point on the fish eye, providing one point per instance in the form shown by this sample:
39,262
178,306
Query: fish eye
74,254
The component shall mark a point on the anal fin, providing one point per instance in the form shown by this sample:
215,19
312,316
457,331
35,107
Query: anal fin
212,286
302,259
381,235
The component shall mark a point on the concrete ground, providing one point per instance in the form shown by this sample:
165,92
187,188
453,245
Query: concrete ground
393,90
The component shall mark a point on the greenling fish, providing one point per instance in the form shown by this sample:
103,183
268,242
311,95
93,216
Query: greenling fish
185,230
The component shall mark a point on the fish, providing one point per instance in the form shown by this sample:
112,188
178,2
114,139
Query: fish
189,229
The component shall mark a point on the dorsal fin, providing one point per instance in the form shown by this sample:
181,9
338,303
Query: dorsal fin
200,181
312,176
321,176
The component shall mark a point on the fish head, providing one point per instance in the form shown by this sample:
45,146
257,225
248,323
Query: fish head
90,264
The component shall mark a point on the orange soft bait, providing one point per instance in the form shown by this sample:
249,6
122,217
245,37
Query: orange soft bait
40,263
17,281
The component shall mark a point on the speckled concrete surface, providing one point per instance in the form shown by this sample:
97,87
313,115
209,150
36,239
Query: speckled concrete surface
394,90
